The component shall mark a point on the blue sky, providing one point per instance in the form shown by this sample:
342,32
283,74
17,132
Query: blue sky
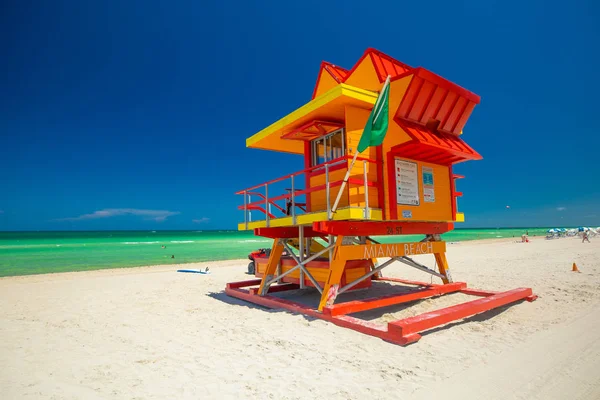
133,115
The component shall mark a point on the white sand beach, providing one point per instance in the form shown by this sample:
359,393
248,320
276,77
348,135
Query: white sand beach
153,333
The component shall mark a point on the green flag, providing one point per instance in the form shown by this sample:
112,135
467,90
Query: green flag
377,124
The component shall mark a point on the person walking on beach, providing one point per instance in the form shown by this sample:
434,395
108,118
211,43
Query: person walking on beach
585,237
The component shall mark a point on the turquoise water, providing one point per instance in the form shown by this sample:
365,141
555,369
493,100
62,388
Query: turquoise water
24,253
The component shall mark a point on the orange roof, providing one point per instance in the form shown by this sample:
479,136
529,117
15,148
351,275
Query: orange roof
435,147
430,96
384,65
430,109
338,73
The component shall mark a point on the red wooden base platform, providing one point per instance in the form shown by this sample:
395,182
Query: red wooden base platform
403,331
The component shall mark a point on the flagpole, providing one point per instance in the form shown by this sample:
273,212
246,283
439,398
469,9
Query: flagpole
339,195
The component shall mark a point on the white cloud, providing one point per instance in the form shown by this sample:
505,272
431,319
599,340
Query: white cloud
156,215
201,220
561,208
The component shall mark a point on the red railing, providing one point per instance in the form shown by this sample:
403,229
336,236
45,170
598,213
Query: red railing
291,204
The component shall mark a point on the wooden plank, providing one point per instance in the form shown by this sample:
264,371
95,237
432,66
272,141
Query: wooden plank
284,232
241,284
359,252
274,258
407,281
385,301
277,288
381,228
478,292
443,316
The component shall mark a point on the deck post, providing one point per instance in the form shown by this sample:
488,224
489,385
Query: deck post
293,203
366,190
271,269
267,204
246,209
336,270
249,211
327,190
301,250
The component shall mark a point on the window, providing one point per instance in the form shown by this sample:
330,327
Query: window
328,147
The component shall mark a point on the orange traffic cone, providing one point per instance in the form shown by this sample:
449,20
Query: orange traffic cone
575,269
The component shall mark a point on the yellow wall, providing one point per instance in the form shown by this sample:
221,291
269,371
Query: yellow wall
441,209
318,199
354,124
356,118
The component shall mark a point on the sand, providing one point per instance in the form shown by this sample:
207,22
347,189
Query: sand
153,333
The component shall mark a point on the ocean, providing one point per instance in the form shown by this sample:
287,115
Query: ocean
25,253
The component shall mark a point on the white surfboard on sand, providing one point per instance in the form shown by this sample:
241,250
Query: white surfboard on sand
195,271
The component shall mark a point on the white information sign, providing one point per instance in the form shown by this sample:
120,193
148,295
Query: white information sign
428,188
407,183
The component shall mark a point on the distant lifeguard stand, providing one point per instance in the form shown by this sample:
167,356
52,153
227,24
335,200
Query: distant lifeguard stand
403,186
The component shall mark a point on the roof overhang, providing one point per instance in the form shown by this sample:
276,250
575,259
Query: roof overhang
434,146
330,106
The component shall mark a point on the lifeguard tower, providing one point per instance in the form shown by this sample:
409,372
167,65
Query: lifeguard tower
324,219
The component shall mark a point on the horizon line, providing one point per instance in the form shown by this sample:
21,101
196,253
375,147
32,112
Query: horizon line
235,230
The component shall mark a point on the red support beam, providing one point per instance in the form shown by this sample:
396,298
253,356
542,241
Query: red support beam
419,323
241,284
269,301
400,332
352,307
277,288
452,193
391,182
285,232
307,164
359,325
486,293
377,228
380,181
406,281
478,292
